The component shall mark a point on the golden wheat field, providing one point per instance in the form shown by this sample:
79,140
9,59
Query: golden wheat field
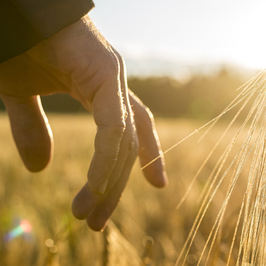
212,212
146,228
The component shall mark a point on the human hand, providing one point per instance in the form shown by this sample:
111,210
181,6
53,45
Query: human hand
80,62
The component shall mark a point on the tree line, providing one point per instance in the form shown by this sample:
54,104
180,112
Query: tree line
200,97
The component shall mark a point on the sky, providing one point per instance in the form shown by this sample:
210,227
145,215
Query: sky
188,31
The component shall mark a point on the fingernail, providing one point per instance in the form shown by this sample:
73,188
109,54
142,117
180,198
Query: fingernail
102,188
165,177
104,227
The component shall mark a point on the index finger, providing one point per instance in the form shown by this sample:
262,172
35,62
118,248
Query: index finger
109,115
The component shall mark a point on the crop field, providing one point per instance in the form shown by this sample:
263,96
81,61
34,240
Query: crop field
37,227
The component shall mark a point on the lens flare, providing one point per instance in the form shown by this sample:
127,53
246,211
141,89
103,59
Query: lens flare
24,227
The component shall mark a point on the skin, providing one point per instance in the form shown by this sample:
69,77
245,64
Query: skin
80,62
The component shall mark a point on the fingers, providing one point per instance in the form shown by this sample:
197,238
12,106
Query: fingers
99,77
109,116
97,209
149,144
115,152
31,131
81,52
100,215
84,202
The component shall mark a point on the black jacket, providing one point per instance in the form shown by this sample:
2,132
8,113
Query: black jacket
24,23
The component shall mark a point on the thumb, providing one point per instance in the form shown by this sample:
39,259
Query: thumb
31,130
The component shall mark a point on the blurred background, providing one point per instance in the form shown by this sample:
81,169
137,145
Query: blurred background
190,52
177,38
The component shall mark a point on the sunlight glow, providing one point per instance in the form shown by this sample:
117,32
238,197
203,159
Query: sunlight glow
197,32
24,227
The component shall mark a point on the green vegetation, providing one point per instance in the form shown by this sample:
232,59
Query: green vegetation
200,97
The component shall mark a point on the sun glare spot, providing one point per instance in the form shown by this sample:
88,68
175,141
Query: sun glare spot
49,243
23,227
26,226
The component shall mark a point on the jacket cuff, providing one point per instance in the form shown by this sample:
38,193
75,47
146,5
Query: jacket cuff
50,16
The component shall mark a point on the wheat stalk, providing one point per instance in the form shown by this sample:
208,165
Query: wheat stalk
251,218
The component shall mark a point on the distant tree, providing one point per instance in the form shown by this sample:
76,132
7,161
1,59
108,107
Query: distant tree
61,103
201,97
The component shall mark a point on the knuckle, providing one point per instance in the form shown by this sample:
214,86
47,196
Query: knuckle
109,157
110,67
134,146
121,61
101,68
109,137
118,131
119,58
131,141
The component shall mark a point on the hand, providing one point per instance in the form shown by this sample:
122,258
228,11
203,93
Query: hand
79,61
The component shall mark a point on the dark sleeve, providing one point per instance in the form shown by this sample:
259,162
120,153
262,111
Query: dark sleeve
49,16
24,23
